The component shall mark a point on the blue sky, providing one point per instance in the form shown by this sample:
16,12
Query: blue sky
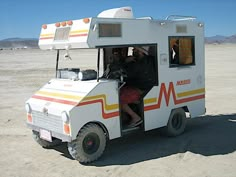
24,18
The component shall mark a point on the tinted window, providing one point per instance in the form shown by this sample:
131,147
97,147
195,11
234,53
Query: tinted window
109,30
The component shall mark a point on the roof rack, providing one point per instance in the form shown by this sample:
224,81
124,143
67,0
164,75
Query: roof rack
150,18
180,18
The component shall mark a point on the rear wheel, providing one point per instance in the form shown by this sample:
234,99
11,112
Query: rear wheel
89,144
45,143
177,122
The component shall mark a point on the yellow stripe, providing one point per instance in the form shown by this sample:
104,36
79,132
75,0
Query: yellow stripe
179,95
107,107
79,98
79,31
191,92
47,35
150,100
65,96
72,32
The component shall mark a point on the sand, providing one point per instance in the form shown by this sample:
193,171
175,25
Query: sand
206,149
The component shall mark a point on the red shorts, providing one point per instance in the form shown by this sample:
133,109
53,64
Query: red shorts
129,95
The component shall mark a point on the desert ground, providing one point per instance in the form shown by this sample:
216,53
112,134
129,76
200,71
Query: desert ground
206,149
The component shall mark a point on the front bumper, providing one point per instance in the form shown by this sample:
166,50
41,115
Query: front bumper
64,138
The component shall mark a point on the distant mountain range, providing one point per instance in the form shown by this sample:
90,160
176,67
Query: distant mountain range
220,39
19,43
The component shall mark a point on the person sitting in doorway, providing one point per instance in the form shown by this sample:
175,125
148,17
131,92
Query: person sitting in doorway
140,72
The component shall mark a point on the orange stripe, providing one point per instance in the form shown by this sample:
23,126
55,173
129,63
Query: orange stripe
72,35
78,35
167,95
104,115
42,38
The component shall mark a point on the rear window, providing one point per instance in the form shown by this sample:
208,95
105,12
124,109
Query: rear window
62,34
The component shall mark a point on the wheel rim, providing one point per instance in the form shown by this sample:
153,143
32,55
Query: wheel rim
91,143
177,121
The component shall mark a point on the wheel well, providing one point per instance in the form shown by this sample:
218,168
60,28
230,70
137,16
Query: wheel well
186,110
102,126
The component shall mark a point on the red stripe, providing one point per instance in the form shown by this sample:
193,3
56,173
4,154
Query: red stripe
104,115
167,95
72,35
184,100
42,38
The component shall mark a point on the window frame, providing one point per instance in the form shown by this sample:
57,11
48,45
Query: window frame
103,34
154,52
174,65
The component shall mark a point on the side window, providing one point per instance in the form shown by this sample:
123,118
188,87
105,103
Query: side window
109,30
181,51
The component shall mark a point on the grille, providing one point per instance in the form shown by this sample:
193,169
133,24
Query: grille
47,121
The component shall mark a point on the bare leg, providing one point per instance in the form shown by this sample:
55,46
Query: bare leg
135,117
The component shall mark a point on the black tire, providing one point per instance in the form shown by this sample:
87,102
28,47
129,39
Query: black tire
177,122
89,144
44,143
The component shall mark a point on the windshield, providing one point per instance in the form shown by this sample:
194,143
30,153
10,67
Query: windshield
72,62
82,58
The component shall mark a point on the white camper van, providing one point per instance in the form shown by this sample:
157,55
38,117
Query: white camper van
82,106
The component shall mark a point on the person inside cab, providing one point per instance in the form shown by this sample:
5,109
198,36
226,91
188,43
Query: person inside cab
114,67
140,78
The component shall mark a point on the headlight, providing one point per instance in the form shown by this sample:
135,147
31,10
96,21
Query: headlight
65,117
28,108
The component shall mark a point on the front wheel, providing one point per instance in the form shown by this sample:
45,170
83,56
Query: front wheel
89,144
177,122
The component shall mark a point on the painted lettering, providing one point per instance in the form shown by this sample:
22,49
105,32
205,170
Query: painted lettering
183,82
